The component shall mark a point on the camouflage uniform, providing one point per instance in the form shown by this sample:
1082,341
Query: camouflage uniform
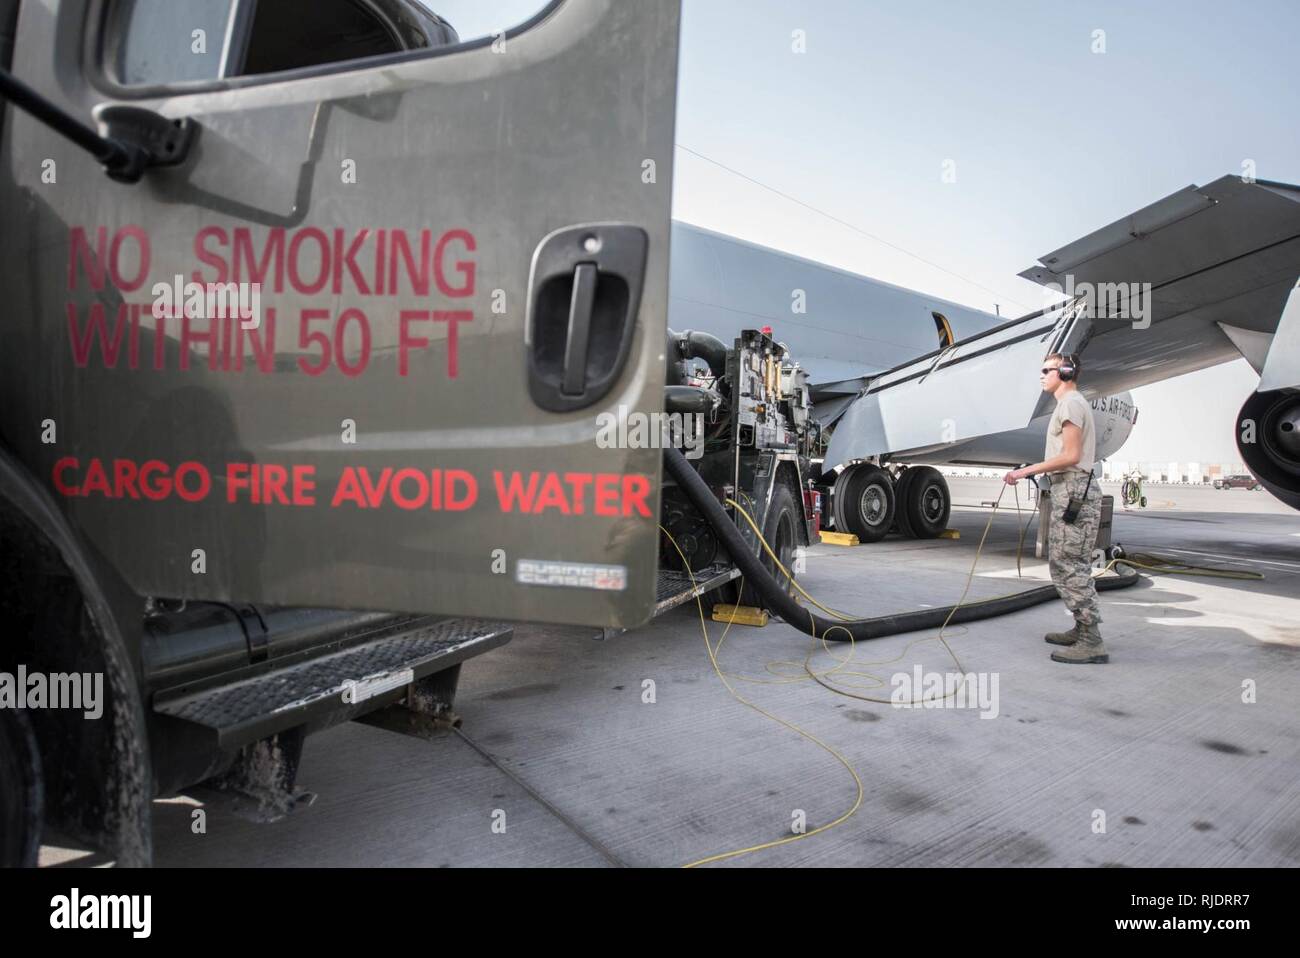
1069,546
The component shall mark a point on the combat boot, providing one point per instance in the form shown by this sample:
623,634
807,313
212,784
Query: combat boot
1064,638
1088,649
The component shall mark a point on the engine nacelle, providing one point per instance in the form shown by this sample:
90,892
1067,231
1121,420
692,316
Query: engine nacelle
1268,438
1113,418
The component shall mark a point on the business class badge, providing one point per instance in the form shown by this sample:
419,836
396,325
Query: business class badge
571,575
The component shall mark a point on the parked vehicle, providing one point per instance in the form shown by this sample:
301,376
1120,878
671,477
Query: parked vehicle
1238,482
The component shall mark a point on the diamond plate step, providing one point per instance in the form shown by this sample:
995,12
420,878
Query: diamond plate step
339,685
673,587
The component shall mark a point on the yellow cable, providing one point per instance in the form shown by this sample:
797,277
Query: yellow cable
876,680
841,663
1154,563
857,802
844,616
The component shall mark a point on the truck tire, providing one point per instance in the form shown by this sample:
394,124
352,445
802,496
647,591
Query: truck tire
866,502
781,531
928,502
21,791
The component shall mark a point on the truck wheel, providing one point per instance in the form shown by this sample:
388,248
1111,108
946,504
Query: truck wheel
928,502
781,532
865,502
21,792
901,520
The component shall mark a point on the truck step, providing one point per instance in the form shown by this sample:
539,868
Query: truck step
674,588
252,703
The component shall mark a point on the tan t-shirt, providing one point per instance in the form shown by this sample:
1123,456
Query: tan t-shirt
1072,408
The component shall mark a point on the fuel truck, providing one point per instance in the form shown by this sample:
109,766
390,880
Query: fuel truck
331,346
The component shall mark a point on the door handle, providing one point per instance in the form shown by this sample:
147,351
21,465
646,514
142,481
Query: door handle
584,291
578,341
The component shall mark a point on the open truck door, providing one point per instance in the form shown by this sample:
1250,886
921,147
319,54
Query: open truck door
429,273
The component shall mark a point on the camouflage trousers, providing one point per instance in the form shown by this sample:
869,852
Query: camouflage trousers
1070,545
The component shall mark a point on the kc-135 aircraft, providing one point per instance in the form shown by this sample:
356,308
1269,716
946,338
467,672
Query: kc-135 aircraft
1198,278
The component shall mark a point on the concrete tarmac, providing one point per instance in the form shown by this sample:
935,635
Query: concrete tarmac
1182,751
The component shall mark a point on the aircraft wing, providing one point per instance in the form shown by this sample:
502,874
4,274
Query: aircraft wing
1221,261
1205,275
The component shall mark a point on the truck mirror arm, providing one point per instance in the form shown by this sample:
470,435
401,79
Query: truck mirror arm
135,139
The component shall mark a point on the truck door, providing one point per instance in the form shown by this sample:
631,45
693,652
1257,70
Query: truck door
375,340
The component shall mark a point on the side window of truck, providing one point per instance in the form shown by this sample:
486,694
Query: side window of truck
289,34
169,42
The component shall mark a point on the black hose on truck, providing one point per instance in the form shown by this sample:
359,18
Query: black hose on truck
783,604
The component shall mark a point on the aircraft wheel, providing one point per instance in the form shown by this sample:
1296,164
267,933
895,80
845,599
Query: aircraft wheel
928,502
902,522
864,503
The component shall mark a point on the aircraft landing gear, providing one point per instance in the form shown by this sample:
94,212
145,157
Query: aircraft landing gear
869,502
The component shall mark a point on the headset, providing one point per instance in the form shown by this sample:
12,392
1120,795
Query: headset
1069,367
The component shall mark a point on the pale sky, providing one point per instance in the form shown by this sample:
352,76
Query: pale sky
1048,139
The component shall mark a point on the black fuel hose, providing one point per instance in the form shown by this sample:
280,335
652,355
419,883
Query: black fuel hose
783,604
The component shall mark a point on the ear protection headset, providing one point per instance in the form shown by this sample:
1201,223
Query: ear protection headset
1069,368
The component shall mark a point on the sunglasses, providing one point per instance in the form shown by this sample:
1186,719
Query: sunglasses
1049,369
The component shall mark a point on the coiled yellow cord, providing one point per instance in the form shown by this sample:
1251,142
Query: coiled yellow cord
1153,563
857,801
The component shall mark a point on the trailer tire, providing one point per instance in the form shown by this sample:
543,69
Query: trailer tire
22,797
